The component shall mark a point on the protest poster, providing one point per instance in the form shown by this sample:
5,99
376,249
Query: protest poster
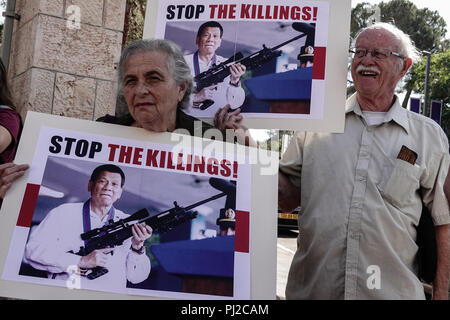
295,54
184,187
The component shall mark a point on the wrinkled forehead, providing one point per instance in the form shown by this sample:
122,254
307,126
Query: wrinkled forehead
145,61
110,176
211,30
377,38
146,57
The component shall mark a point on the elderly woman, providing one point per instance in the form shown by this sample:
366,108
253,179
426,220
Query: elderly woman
156,83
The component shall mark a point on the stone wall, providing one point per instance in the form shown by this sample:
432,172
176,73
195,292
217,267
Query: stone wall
63,68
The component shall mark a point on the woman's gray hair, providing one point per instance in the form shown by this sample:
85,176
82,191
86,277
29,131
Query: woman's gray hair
176,64
407,47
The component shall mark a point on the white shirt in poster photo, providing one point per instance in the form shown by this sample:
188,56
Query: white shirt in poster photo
53,243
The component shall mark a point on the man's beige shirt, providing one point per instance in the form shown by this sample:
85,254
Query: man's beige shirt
361,205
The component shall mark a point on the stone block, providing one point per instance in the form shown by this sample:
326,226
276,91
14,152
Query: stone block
65,71
33,91
20,89
114,15
74,96
89,51
105,100
52,7
23,48
91,11
29,9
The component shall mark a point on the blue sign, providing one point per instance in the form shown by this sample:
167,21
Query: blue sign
436,111
414,105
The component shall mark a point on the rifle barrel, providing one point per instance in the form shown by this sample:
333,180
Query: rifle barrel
217,196
286,42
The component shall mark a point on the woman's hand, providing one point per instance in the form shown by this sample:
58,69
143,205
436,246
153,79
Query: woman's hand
9,172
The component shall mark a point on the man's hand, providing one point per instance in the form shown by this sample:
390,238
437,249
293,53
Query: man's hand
9,172
288,194
141,232
224,120
97,258
441,282
204,94
236,71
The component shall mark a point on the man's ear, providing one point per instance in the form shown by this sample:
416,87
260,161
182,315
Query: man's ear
197,40
406,65
119,193
90,183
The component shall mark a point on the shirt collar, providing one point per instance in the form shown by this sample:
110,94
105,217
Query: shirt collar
396,113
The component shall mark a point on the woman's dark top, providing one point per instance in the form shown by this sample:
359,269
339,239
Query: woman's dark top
183,121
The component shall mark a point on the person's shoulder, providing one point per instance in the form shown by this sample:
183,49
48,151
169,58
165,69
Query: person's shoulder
425,128
5,108
65,209
125,120
420,121
9,113
11,120
68,205
108,119
189,59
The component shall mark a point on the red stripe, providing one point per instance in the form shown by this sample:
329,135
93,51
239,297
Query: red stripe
242,236
320,54
28,204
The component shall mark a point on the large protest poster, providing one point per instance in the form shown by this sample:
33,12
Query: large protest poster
295,54
199,196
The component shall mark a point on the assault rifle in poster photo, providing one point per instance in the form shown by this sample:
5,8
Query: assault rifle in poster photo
217,73
115,233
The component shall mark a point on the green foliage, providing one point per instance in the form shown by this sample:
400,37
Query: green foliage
134,21
439,76
360,17
439,82
426,28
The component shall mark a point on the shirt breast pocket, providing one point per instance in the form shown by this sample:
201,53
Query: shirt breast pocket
399,182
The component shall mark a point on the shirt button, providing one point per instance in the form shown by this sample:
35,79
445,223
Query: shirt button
354,236
355,205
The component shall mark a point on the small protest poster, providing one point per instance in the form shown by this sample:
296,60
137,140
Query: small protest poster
69,227
282,63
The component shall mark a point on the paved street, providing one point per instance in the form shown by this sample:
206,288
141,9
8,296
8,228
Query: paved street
286,246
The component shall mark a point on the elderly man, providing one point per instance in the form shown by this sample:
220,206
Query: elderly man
54,244
209,100
362,191
156,82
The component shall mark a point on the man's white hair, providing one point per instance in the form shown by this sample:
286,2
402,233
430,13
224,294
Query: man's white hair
407,47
